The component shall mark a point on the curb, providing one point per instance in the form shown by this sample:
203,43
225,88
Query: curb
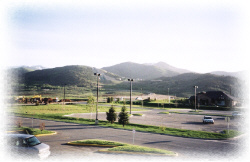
136,153
95,145
244,134
39,135
137,115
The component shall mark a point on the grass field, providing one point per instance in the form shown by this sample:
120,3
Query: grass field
60,109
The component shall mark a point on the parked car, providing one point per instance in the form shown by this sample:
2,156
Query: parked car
27,146
208,119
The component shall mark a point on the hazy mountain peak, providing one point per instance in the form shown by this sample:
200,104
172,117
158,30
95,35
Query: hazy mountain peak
31,68
142,71
166,66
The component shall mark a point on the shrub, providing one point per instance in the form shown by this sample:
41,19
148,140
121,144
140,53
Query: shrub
19,123
162,128
42,126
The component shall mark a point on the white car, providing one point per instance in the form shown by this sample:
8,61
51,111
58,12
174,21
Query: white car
208,119
27,146
236,114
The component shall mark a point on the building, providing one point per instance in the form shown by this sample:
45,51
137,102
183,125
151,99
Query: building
214,98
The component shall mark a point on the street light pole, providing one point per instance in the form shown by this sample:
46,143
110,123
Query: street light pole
168,97
97,89
131,80
141,99
195,96
64,92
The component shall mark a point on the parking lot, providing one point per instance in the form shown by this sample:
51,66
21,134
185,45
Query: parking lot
185,147
175,120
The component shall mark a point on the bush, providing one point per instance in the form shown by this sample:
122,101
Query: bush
42,126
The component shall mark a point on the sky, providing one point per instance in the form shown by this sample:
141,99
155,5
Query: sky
201,37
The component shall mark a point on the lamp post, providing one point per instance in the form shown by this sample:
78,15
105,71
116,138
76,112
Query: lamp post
141,99
195,96
131,80
168,97
64,92
97,89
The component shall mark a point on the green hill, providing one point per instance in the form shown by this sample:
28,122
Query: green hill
139,71
70,75
182,85
83,76
15,75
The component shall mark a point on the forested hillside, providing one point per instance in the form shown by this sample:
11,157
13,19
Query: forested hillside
70,75
15,75
182,85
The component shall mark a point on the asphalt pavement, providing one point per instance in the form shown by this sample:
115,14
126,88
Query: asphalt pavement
187,148
174,120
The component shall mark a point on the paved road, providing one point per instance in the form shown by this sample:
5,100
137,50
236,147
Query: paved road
185,147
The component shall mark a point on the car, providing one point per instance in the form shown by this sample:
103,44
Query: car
236,114
138,98
29,146
208,119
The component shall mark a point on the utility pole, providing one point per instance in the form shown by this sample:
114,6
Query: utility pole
168,97
131,80
195,96
141,99
97,89
64,92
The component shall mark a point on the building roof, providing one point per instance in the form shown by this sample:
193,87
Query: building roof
218,94
215,95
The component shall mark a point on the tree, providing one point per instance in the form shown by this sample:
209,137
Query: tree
42,126
110,99
111,115
117,100
123,117
91,101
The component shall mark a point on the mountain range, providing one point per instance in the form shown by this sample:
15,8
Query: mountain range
144,71
183,85
151,77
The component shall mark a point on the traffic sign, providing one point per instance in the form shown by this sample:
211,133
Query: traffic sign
227,119
133,136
